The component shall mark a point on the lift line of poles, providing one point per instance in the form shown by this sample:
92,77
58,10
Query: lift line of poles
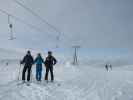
10,25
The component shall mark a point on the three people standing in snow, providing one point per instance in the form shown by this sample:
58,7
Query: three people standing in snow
28,61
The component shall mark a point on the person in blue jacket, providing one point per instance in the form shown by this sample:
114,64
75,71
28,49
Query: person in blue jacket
39,61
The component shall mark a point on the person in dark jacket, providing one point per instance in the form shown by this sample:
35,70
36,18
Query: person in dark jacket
39,61
106,67
28,62
49,63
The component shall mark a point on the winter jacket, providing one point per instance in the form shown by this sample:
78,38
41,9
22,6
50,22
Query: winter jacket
50,61
27,60
39,60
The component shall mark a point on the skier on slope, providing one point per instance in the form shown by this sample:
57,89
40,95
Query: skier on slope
110,66
106,67
28,62
39,61
49,63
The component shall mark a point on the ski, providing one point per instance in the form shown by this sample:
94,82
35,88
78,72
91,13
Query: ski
21,83
28,84
54,83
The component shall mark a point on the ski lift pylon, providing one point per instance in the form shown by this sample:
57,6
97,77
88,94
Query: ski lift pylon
11,29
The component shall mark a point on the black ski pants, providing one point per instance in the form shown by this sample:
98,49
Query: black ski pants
26,68
49,68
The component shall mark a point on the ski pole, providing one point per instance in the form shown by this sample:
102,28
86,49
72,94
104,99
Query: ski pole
19,72
31,75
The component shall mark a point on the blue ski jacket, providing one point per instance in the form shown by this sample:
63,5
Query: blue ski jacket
39,61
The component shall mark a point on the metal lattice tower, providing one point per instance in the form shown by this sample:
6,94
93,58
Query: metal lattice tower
75,57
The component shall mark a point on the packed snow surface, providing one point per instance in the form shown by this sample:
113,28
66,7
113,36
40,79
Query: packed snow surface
81,82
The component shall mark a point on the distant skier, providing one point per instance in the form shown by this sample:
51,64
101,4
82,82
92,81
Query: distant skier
106,67
110,66
6,63
39,61
49,63
28,62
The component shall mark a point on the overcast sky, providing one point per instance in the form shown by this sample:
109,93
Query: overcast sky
89,23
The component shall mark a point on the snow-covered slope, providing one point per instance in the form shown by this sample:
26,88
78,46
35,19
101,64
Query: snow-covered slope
83,82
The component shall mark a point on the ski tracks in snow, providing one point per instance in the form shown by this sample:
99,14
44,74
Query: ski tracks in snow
93,85
46,91
22,92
